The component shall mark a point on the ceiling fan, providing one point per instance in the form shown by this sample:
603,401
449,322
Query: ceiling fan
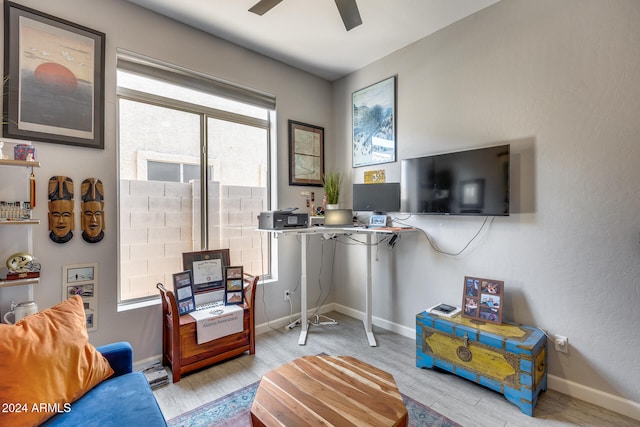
348,11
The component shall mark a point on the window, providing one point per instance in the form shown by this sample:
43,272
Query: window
160,171
182,135
172,171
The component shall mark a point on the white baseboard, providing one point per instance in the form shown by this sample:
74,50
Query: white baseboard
282,322
145,363
614,403
377,321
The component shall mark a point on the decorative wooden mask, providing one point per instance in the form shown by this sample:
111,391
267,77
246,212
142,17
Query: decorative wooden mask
92,210
61,222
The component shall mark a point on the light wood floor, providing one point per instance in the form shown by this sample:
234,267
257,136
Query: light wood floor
462,401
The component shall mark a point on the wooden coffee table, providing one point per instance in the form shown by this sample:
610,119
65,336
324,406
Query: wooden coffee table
328,390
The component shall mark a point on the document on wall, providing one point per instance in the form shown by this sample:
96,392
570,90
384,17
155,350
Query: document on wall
207,271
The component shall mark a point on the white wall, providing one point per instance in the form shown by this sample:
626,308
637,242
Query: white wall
559,82
135,29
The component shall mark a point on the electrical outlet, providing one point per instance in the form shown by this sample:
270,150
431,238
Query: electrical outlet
287,295
562,344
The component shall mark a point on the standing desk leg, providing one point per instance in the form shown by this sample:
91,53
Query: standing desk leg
302,340
368,326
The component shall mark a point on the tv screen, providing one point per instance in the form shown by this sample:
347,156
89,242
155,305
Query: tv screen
471,182
377,197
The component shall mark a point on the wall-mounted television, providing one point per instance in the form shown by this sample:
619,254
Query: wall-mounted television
471,182
383,197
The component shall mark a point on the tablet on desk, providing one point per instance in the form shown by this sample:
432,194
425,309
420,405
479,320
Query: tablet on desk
377,221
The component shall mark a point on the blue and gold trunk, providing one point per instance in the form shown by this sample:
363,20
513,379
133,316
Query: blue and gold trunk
508,358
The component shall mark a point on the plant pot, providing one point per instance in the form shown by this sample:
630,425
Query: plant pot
333,206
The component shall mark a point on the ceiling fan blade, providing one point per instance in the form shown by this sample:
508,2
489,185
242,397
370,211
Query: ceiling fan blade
349,13
264,6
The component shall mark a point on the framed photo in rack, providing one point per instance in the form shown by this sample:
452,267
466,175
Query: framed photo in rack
482,299
207,267
183,289
234,286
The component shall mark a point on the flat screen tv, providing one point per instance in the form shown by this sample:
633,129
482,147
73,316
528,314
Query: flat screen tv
384,197
471,182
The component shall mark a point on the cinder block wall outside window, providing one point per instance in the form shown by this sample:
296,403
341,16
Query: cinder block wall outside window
157,225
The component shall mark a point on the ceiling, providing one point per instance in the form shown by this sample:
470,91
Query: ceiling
310,35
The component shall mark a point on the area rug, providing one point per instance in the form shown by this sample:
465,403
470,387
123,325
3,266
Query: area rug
232,410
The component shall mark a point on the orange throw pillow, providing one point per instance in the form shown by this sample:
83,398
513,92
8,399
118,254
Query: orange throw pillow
46,363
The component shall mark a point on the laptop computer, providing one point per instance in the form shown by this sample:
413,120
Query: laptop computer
338,218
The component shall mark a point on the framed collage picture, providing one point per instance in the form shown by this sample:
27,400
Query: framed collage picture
482,299
233,288
207,268
183,289
82,280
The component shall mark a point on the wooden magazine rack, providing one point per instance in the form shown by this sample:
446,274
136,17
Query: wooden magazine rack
180,349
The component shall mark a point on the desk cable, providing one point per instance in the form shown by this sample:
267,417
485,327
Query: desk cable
436,248
316,316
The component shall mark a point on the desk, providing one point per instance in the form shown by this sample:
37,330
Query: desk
304,234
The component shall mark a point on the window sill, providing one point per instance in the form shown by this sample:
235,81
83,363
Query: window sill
126,306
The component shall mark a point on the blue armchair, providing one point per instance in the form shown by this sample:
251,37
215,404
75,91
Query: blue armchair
125,399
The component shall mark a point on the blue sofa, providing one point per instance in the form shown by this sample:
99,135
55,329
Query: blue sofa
125,399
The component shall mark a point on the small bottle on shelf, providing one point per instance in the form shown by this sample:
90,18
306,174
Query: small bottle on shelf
312,211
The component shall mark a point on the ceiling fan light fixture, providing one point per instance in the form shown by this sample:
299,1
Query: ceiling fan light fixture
349,13
264,6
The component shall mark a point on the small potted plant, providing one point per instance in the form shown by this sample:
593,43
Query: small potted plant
332,182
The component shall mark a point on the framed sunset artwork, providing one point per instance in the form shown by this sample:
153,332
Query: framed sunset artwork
54,72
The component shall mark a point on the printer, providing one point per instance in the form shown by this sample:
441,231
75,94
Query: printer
280,220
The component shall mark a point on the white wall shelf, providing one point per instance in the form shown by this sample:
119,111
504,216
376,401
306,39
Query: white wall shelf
28,224
19,221
19,282
24,163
